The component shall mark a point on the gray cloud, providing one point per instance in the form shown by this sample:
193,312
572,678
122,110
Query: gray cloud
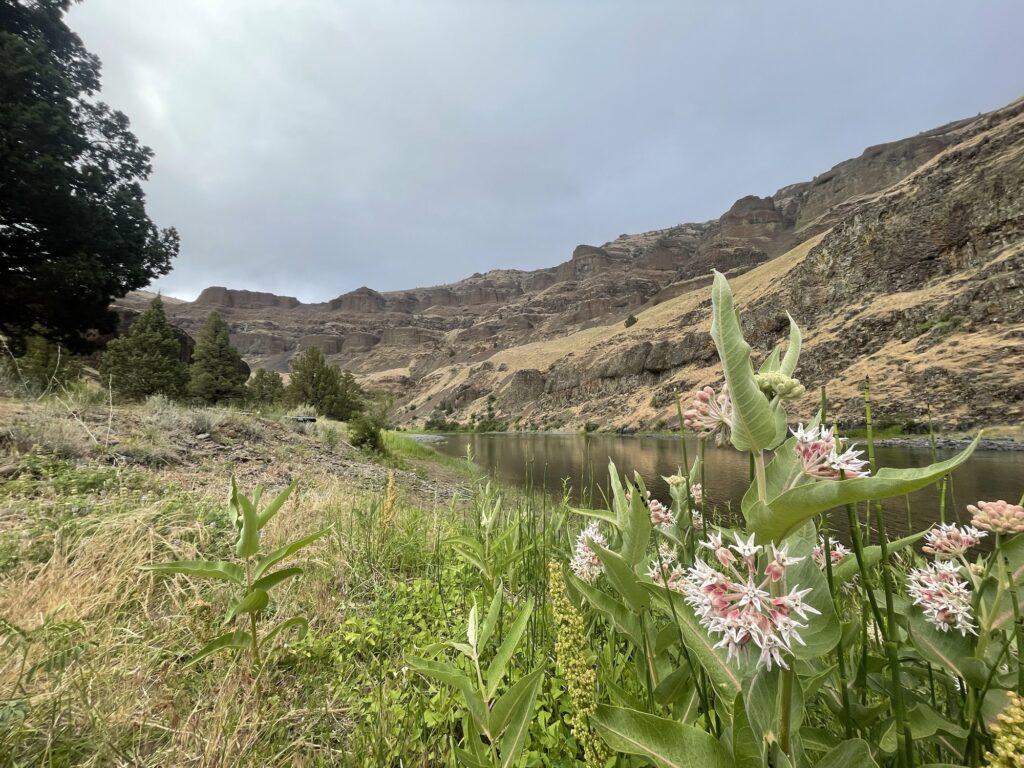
308,147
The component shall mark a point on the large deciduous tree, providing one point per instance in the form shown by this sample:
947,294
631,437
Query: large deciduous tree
74,232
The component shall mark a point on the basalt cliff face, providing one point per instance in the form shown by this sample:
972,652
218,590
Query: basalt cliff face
905,264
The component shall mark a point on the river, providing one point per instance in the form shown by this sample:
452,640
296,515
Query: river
578,462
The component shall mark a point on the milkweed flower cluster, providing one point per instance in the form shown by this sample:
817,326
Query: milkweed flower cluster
944,597
698,519
585,563
738,604
947,542
661,516
710,415
998,516
665,569
837,552
822,454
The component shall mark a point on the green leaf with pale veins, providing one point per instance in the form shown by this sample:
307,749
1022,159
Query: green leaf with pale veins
207,569
755,424
666,743
790,509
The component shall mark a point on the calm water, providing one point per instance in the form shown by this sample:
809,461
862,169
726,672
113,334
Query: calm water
546,460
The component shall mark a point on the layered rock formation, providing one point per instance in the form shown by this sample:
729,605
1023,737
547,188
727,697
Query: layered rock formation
904,263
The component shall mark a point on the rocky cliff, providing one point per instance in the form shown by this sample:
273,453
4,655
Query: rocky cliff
904,263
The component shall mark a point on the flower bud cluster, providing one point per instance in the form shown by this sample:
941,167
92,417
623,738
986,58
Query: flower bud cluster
998,516
711,415
947,542
944,597
819,452
1008,747
580,678
776,384
744,606
585,563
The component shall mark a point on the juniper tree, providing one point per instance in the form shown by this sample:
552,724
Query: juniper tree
74,232
147,359
265,388
333,392
218,373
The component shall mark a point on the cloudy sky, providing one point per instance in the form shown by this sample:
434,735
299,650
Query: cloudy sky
308,147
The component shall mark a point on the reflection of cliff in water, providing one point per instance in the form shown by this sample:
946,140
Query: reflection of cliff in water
579,462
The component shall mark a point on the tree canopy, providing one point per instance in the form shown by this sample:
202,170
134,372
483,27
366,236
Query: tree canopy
74,232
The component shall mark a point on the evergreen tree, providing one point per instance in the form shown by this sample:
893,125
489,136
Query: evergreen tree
74,232
147,359
217,373
314,382
265,388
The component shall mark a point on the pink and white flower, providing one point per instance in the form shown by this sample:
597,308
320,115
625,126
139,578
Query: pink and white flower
819,452
947,542
710,415
585,563
742,607
661,516
837,552
944,597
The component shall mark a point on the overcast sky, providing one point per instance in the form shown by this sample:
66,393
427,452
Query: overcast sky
308,147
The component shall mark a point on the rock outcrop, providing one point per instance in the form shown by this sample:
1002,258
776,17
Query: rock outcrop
904,263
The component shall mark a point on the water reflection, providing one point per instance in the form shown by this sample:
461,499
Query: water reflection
578,463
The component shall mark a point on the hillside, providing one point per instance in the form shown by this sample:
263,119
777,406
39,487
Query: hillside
904,264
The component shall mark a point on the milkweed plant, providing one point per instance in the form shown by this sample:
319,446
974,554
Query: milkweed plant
773,644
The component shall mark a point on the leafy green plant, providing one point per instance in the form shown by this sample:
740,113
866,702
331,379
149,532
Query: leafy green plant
767,644
496,726
254,574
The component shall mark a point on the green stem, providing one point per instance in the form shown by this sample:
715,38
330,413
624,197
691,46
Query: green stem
890,613
840,652
786,712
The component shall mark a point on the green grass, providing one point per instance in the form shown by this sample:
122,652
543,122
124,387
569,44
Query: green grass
401,446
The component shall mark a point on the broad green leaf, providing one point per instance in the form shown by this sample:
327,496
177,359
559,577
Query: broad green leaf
788,366
674,687
471,628
273,579
276,504
754,423
444,672
852,753
763,702
847,568
294,621
1013,551
621,617
499,664
287,550
236,640
598,514
823,629
253,602
249,536
771,363
790,509
623,578
944,649
208,569
635,527
666,743
726,677
746,748
490,621
512,714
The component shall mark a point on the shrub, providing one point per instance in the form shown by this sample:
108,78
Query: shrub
367,429
42,367
630,321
